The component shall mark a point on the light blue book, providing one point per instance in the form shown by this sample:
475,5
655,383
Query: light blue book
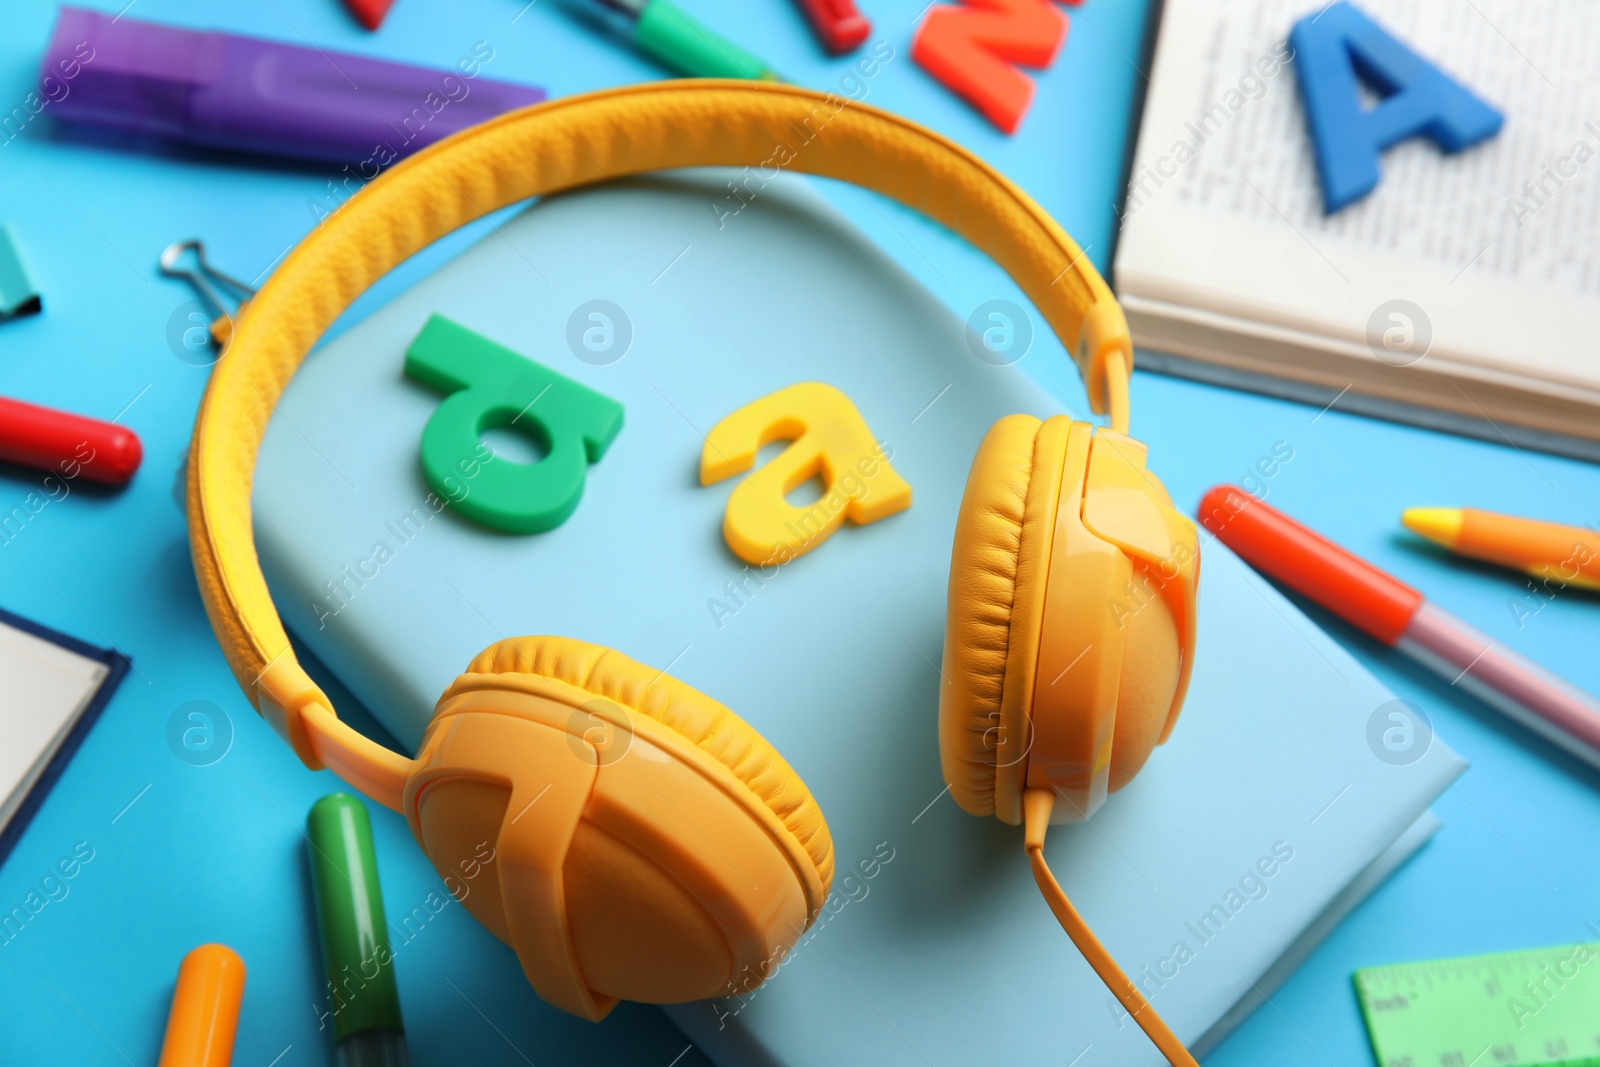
1260,824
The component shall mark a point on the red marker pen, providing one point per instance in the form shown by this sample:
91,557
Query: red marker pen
67,445
1399,616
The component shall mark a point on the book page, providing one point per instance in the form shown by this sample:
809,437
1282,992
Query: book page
1500,244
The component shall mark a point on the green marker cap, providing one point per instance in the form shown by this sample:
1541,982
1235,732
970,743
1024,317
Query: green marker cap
673,38
355,939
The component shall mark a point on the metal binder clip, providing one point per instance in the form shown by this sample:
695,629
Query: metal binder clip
202,280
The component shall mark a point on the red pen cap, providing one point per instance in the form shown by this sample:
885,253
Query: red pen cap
67,445
841,27
1309,563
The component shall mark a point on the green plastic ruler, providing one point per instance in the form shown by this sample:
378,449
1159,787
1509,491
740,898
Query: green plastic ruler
1538,1008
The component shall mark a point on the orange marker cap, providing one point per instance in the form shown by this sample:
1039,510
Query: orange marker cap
1569,555
205,1009
1310,564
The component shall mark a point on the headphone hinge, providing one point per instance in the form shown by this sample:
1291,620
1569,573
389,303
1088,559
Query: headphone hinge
1102,334
283,691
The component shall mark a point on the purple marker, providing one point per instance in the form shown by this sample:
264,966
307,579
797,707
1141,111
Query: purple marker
221,91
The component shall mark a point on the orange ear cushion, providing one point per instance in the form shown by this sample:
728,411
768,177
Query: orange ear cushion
994,608
701,721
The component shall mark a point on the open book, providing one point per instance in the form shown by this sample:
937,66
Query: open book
1462,294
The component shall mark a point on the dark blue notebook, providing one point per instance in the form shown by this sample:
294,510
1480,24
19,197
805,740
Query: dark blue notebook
52,689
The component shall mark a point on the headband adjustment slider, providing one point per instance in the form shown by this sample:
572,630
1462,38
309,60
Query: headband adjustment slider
283,693
1102,339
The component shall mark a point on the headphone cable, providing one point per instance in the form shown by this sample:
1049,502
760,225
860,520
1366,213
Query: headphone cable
1036,819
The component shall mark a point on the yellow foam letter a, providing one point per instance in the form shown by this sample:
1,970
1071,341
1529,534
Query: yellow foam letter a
830,440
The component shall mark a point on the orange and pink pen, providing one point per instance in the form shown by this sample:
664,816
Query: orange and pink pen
1396,614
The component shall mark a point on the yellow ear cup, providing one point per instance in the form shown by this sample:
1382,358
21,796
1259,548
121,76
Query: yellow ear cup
705,723
993,612
642,841
1006,705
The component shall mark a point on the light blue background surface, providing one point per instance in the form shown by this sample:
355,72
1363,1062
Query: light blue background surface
89,980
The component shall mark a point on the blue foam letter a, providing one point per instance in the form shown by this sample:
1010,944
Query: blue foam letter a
1335,48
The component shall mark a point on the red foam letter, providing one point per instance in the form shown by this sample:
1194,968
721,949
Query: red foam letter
971,50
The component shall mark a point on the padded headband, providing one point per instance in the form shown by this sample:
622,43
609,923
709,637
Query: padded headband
540,150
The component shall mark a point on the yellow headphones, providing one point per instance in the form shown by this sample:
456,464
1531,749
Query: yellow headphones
698,855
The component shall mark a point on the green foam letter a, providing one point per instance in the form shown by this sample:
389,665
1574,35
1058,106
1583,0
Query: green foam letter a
488,385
